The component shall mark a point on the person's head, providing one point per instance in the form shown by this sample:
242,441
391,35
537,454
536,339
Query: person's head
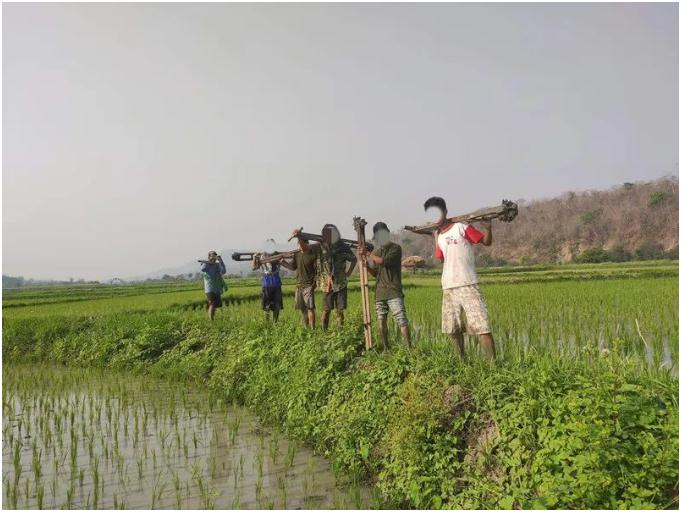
269,246
439,204
212,256
330,234
381,234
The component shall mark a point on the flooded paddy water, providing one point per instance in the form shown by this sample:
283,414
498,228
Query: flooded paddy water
83,438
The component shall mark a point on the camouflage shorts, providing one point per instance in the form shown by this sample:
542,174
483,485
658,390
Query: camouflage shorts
396,306
304,298
464,310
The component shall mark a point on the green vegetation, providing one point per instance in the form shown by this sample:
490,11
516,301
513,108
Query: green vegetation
580,411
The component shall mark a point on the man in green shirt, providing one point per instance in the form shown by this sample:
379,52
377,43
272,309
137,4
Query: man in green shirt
385,264
336,254
304,264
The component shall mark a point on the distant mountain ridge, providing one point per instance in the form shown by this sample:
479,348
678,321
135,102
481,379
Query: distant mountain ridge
192,267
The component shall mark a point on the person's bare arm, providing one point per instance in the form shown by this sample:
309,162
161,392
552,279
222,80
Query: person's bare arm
223,269
303,244
364,254
378,260
289,264
438,254
486,229
372,270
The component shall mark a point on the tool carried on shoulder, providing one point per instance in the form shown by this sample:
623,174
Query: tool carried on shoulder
319,238
505,212
243,256
359,225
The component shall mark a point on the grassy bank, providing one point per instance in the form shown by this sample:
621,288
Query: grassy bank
596,430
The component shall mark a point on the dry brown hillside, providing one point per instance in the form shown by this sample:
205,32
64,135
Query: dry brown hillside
628,221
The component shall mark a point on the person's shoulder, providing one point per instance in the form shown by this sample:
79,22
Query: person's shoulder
453,225
394,247
345,247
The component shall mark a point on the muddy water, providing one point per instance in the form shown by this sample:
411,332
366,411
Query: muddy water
75,438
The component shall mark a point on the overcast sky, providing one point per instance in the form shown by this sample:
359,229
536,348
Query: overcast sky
139,136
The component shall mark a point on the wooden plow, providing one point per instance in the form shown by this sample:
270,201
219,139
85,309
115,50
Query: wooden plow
505,212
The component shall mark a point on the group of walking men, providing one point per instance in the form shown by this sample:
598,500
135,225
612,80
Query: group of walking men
331,262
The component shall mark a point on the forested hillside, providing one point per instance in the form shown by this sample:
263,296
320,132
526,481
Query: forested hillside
630,221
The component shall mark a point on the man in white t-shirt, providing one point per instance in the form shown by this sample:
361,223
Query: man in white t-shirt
463,306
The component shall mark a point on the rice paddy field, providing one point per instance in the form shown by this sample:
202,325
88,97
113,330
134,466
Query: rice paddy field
127,397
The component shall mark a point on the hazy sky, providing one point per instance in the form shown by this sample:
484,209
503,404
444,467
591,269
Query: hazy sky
138,136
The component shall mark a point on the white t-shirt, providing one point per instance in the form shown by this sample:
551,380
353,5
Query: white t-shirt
454,248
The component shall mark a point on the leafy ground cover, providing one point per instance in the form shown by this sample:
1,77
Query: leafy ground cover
580,410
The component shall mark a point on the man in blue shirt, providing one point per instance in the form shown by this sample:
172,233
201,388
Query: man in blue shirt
213,283
272,299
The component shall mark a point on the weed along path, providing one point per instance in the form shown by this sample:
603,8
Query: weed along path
84,438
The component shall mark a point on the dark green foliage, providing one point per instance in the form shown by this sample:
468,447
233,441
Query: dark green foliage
649,252
591,216
593,256
673,253
657,198
619,254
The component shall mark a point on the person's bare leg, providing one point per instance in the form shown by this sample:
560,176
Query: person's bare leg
487,343
384,332
211,312
457,338
341,316
305,316
406,335
325,319
311,318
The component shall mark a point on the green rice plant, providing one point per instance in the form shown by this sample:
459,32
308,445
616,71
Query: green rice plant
40,496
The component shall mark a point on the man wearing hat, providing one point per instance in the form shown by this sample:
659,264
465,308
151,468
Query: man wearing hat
385,264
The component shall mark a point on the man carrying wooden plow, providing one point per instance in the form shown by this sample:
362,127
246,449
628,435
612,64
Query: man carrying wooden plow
336,255
213,284
385,264
303,262
463,306
272,299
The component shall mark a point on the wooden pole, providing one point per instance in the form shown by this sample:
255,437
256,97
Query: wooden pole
359,224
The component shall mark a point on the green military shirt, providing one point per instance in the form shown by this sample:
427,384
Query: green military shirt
334,264
389,274
305,266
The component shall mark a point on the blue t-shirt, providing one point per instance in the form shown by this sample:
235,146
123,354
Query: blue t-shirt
212,277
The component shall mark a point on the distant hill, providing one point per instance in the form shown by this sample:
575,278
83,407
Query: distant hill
192,267
628,221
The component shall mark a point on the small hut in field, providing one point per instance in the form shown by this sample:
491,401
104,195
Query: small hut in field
413,262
